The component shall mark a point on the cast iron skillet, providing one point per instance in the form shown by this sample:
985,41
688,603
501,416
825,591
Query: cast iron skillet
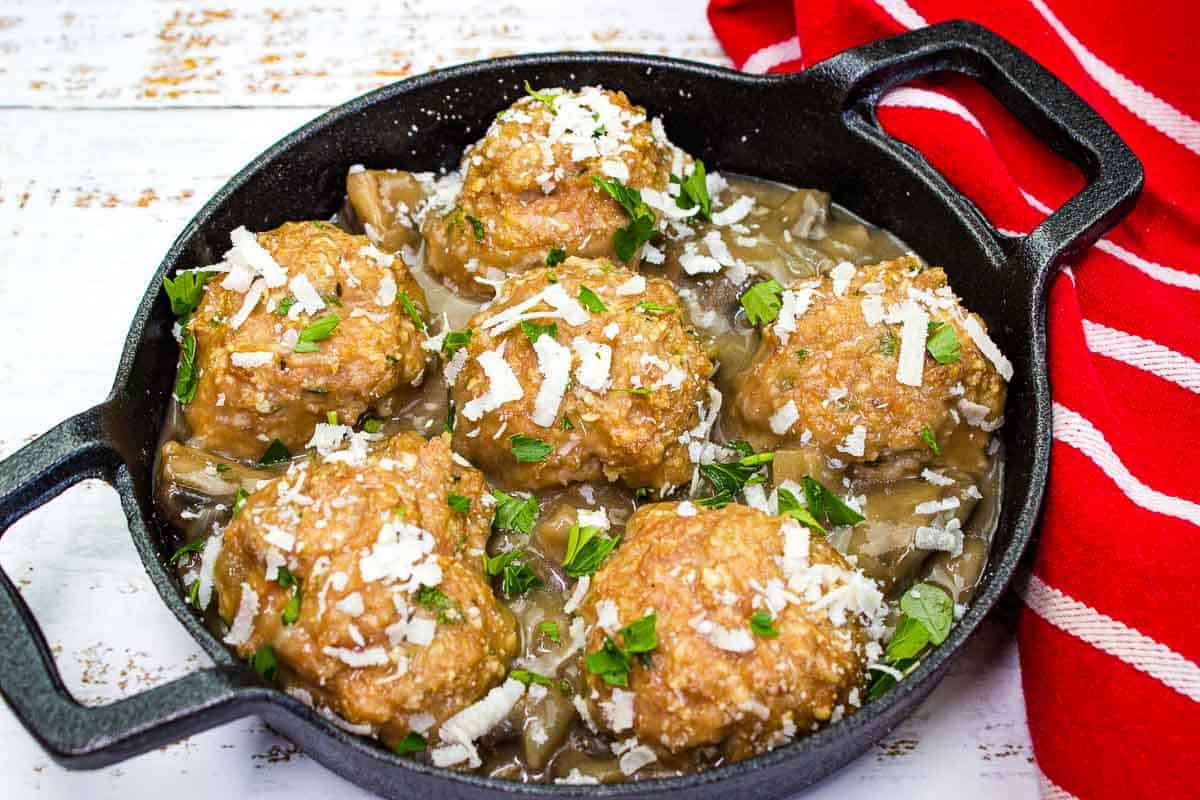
815,128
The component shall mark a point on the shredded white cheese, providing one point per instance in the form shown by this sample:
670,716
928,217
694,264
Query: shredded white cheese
243,621
554,362
503,386
855,442
250,360
988,347
595,362
910,365
208,566
784,418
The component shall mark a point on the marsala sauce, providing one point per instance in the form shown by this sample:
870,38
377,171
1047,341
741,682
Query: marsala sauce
194,494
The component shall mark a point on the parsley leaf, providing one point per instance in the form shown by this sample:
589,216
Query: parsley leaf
532,330
265,662
459,503
611,662
276,453
433,599
555,257
412,742
566,424
514,513
545,98
762,302
731,477
527,677
187,549
654,308
826,506
528,449
942,343
591,301
641,228
291,610
762,625
187,380
908,641
239,500
476,226
372,425
550,629
412,312
185,292
693,191
887,343
317,330
932,607
454,341
718,500
586,550
789,505
285,305
927,438
516,575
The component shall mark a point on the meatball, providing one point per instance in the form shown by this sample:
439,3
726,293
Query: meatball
826,375
264,370
391,623
609,389
527,185
713,680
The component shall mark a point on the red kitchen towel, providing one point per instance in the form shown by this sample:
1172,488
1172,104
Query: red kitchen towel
1109,635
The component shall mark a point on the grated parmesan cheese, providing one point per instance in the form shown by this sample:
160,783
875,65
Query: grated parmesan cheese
554,362
503,386
243,621
595,362
910,365
988,347
249,360
784,418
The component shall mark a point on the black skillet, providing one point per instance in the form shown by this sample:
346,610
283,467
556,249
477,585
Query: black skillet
815,128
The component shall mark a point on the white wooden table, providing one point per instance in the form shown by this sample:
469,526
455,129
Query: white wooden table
117,120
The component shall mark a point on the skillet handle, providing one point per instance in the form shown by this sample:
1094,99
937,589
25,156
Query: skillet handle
1043,103
80,736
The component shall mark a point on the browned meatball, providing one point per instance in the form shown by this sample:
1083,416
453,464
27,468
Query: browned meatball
630,377
828,377
527,185
396,626
259,380
713,681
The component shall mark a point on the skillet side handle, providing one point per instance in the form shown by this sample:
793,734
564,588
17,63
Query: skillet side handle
80,736
1043,103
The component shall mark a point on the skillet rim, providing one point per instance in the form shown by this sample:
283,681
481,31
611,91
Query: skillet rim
998,574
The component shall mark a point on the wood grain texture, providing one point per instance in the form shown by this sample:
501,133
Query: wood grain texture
117,120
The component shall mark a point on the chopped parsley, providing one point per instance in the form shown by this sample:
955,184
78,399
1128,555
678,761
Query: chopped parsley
527,677
927,438
942,343
532,330
926,618
284,577
276,453
790,506
433,599
801,355
549,629
591,301
265,662
412,312
612,662
285,305
762,302
458,502
640,391
827,507
641,227
514,513
291,610
516,576
528,449
187,549
476,226
454,341
556,256
412,742
239,500
654,308
718,500
762,625
887,343
448,425
566,424
693,191
731,477
586,550
545,98
185,292
331,417
317,330
187,379
372,425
